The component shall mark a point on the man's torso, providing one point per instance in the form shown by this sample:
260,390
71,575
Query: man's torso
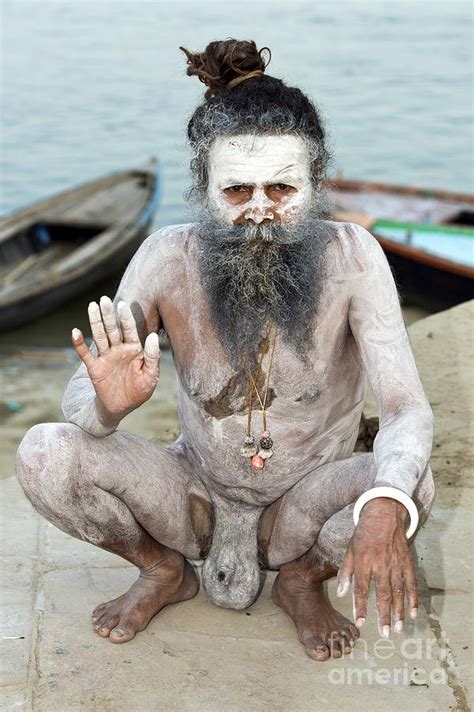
313,411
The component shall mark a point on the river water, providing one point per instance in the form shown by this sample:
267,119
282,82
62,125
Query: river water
93,87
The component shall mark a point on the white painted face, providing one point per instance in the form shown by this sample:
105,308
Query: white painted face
259,178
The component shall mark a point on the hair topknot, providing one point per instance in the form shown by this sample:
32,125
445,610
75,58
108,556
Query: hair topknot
241,98
224,64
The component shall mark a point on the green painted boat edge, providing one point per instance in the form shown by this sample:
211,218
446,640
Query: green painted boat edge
423,227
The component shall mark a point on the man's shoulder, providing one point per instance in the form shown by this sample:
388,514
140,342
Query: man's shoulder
165,246
170,238
353,249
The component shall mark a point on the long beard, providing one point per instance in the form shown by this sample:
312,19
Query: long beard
257,274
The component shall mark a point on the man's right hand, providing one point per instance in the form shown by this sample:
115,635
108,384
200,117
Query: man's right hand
123,373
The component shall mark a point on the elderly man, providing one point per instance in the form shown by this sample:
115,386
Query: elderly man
275,317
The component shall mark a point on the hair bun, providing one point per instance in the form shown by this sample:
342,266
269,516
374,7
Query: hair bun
225,64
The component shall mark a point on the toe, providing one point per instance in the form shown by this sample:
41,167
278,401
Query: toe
122,633
353,631
105,623
346,641
351,638
334,645
98,613
104,630
101,619
98,610
317,649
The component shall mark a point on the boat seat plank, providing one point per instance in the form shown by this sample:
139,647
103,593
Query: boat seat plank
39,263
18,270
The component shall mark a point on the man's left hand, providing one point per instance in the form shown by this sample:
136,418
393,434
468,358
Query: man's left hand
379,550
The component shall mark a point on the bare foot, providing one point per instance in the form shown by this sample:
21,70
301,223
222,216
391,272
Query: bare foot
323,631
122,618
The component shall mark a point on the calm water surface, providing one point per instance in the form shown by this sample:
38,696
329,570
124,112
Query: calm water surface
92,87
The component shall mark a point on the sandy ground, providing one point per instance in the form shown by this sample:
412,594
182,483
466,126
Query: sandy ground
196,657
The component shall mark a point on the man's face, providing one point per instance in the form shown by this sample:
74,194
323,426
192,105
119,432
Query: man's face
261,241
259,179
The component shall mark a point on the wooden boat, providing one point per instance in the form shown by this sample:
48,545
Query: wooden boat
427,236
57,248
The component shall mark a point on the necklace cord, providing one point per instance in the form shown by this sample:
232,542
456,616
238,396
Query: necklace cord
253,385
264,412
253,380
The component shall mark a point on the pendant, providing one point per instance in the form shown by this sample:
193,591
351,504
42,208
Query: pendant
265,445
265,454
249,448
257,462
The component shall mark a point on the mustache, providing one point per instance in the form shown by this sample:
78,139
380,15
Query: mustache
262,233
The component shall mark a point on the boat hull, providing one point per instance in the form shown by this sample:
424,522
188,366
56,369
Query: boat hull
423,278
94,261
426,285
26,310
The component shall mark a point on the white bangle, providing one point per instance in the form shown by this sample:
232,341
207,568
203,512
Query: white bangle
393,493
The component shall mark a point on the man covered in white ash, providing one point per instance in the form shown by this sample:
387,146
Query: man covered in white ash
276,317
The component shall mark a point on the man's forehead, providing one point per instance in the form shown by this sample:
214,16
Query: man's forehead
243,154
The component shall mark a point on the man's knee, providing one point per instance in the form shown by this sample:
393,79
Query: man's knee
44,458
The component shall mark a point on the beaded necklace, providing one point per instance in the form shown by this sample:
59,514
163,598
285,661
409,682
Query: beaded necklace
258,455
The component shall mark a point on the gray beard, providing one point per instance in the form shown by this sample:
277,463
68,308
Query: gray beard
254,275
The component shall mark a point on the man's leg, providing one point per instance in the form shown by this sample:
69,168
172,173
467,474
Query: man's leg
308,532
127,495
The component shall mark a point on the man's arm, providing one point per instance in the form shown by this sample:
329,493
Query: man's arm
379,549
138,289
402,447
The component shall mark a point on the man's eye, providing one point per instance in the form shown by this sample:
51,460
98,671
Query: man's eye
236,189
281,187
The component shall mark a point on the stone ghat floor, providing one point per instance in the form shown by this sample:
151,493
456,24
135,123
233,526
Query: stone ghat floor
195,657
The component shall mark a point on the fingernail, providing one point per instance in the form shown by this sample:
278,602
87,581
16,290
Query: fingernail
360,622
343,588
386,631
413,613
75,334
398,627
118,631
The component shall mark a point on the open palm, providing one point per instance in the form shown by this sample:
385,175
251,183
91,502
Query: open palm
123,373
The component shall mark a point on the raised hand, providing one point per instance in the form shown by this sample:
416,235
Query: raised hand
123,373
379,550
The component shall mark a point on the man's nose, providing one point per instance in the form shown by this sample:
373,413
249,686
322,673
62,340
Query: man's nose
259,208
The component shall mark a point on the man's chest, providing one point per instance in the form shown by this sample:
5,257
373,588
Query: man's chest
294,385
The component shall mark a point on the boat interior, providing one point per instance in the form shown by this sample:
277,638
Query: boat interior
407,207
41,243
462,218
